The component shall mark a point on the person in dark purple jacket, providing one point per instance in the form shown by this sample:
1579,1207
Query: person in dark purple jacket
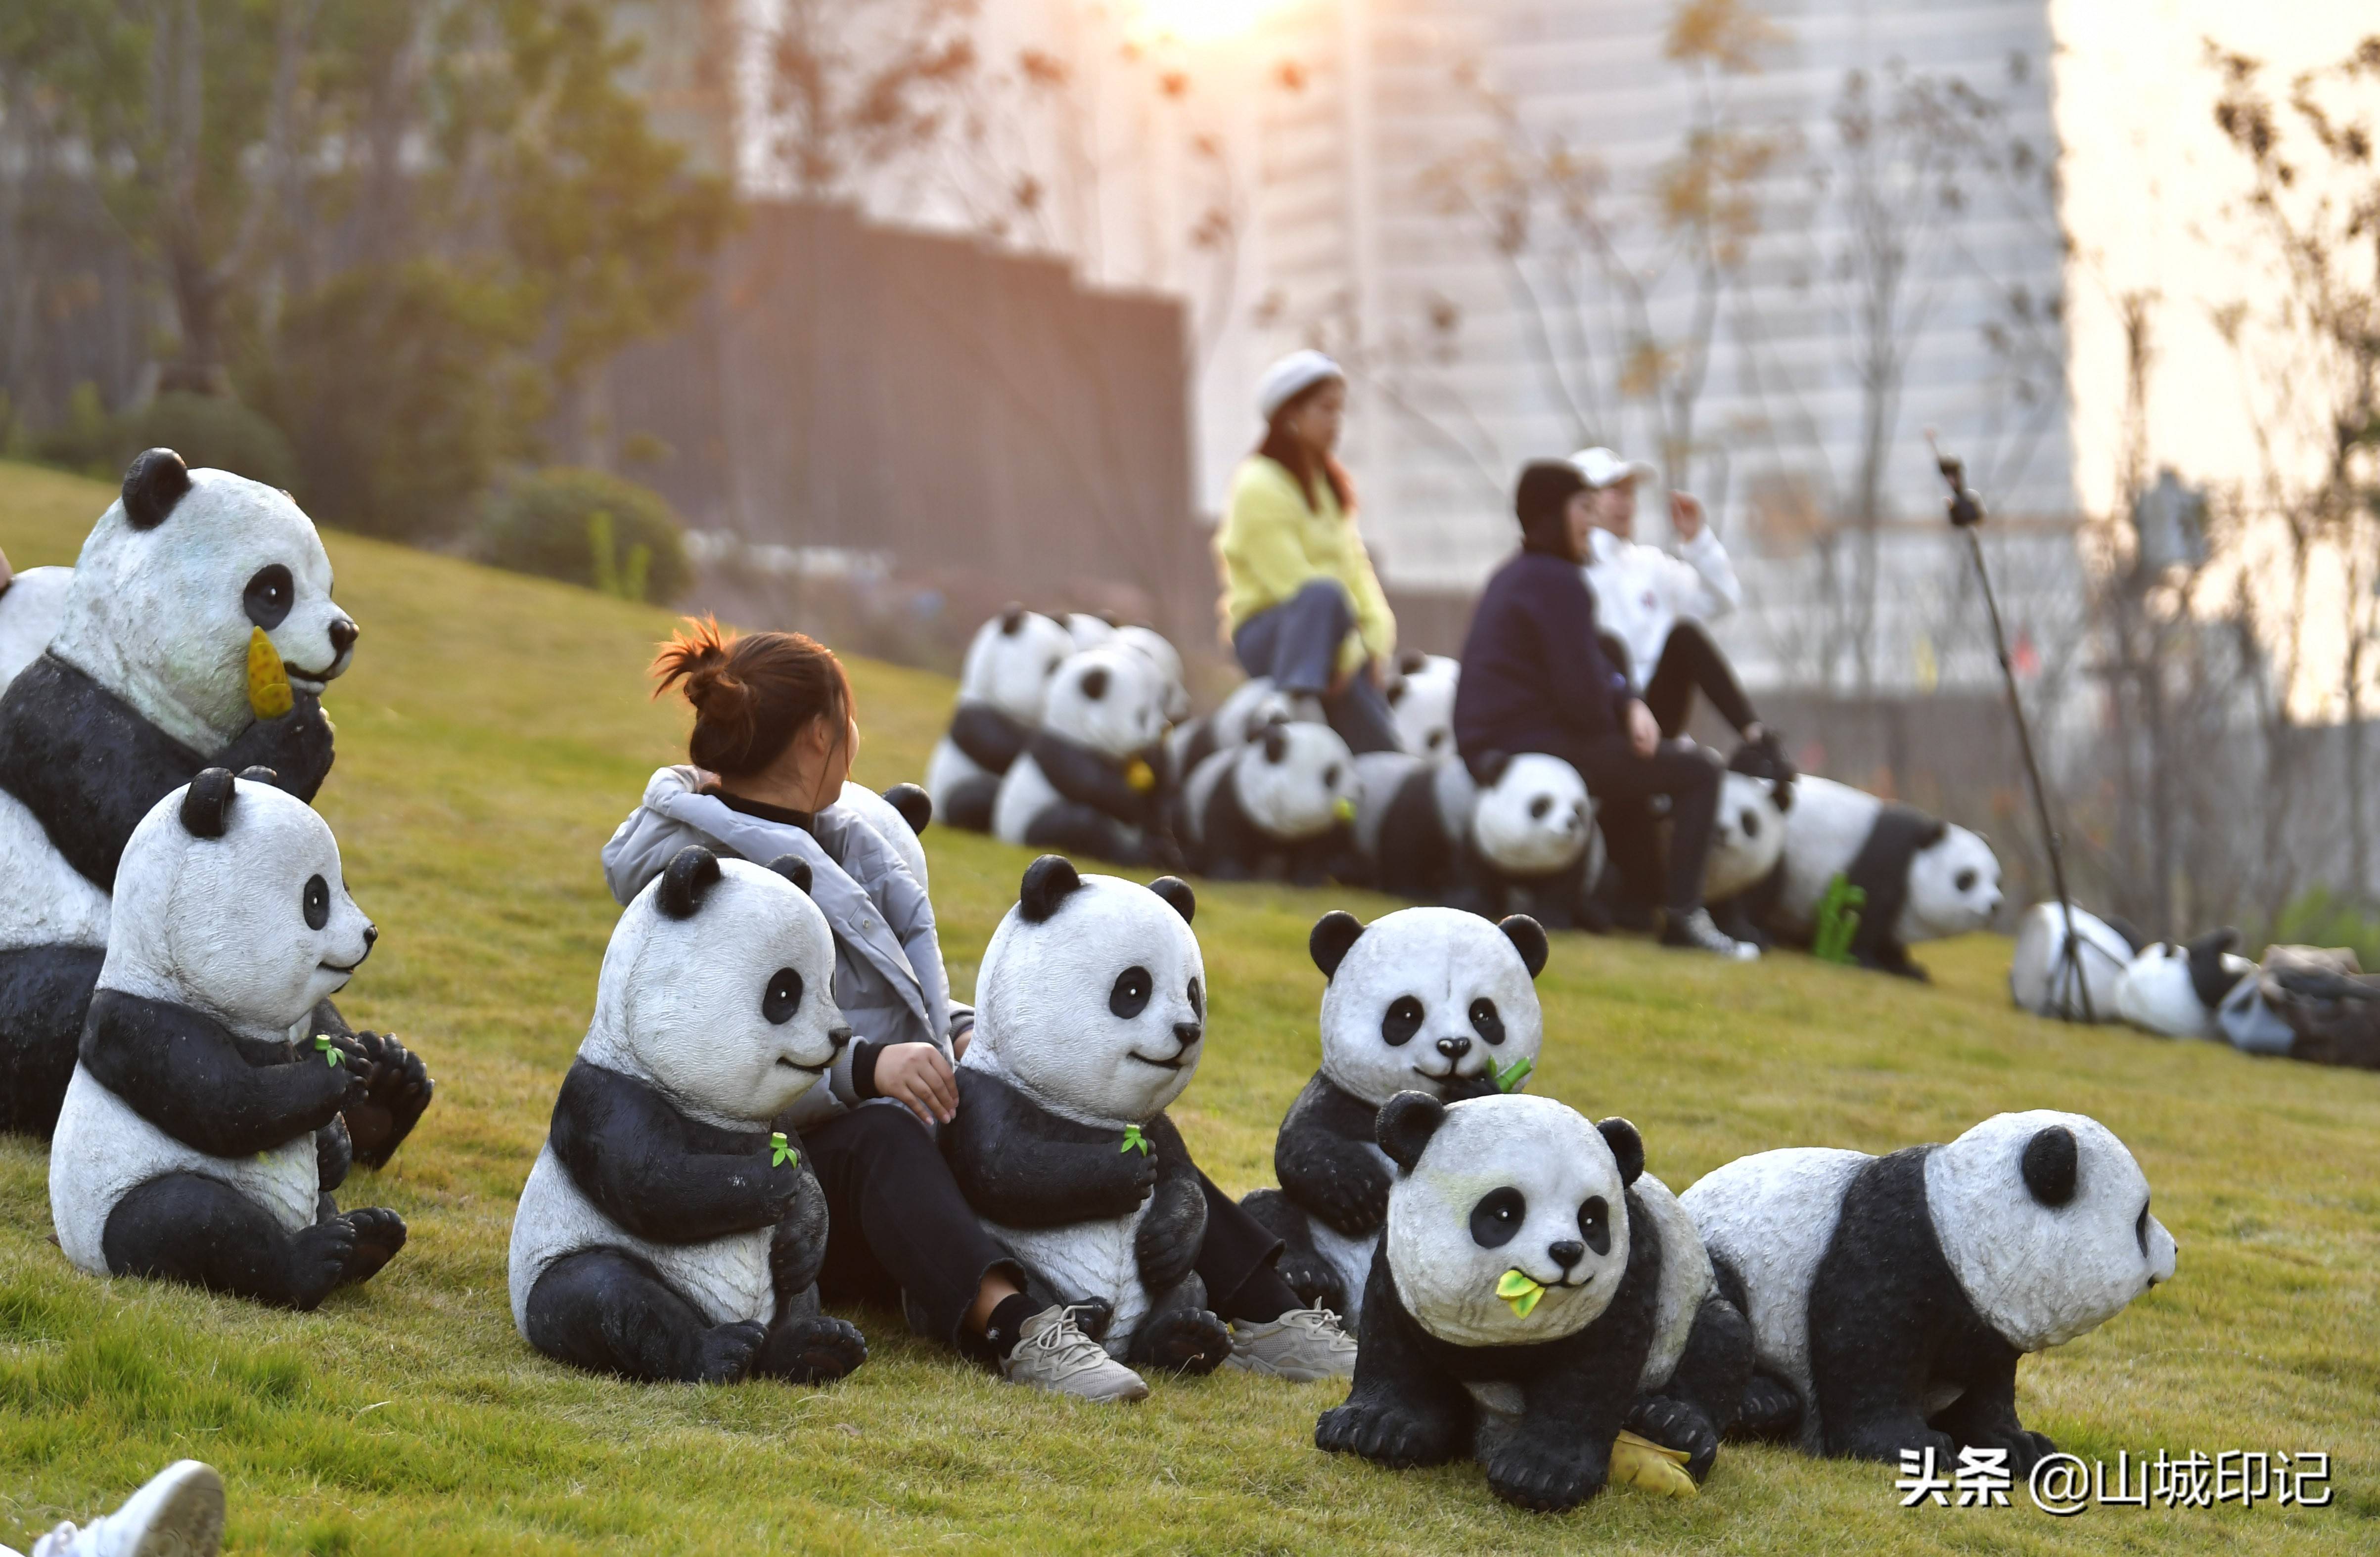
1535,679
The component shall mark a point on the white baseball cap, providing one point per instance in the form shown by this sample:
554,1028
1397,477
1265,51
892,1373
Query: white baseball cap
1601,467
1291,377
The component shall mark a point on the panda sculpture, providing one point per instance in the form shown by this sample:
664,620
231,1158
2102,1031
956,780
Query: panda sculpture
1253,707
2179,990
2041,977
1093,779
1429,1000
1525,842
1925,878
1535,1294
199,1141
1421,701
1003,681
1280,806
1891,1297
900,816
1747,843
1090,1017
670,1230
147,681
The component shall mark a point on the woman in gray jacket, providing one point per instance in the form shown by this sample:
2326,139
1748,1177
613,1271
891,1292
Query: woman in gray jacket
774,732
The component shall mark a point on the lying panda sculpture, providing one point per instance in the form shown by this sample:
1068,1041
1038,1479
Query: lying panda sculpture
2180,991
146,682
199,1142
1925,878
1891,1297
669,1229
1003,681
1281,806
1430,1000
1525,842
1747,845
1091,1018
2041,975
1093,779
1535,1293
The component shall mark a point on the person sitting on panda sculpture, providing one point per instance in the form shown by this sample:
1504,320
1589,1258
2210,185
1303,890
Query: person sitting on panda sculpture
1535,679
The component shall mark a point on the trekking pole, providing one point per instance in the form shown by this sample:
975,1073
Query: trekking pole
1966,511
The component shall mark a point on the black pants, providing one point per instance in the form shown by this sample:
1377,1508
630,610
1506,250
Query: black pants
1624,784
1689,663
898,1225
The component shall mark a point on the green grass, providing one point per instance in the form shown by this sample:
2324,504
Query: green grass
496,728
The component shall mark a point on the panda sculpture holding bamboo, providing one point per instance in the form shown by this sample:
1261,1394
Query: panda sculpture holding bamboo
669,1229
1090,1017
198,1142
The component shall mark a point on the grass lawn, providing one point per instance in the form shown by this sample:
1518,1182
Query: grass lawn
494,732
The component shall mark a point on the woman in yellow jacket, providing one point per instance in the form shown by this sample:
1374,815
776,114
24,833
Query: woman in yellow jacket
1299,596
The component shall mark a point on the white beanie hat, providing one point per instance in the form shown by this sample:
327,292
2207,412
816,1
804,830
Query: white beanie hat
1292,376
1602,468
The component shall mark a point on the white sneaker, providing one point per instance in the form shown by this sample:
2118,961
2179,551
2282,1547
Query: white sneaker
1301,1346
179,1514
1696,933
1052,1353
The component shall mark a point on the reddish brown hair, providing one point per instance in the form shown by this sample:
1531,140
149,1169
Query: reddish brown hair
752,693
1287,450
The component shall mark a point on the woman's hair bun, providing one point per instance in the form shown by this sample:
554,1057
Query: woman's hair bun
750,693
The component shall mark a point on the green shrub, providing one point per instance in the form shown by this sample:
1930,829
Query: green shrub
2318,917
206,431
86,439
586,528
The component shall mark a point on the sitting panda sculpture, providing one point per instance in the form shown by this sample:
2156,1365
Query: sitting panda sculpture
670,1230
1281,806
1525,842
1093,779
900,816
1891,1297
146,682
2179,990
1006,674
1429,1000
1421,701
1091,1018
1536,1294
1925,878
198,1142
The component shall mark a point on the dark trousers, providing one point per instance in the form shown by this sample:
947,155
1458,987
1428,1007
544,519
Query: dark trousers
1690,662
898,1226
1297,642
1624,784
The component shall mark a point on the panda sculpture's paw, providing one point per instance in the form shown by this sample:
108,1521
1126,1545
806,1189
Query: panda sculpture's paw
1188,1341
396,1092
380,1234
1547,1478
2025,1449
1385,1436
1771,1410
340,1251
1673,1424
1316,1284
725,1352
811,1351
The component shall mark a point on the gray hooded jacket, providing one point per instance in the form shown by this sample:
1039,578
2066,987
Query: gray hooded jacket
888,967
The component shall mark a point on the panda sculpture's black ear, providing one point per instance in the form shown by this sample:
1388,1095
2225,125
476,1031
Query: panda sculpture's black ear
260,774
916,806
2209,980
1334,935
1627,1147
1489,768
1011,617
1936,831
1178,897
153,483
2050,1159
1405,1124
1275,742
1782,794
1095,682
692,872
1047,882
1528,939
794,868
206,807
1411,662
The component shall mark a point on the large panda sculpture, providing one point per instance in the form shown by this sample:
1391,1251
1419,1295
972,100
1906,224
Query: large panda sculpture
1091,1018
146,682
199,1142
1281,806
1925,878
1003,681
1093,779
2179,990
1891,1297
1535,1293
1525,842
1429,1000
1421,701
670,1230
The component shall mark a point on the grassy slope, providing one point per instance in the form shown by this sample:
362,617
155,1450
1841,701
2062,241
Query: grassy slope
494,731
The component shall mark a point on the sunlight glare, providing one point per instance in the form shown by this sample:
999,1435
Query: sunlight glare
1197,21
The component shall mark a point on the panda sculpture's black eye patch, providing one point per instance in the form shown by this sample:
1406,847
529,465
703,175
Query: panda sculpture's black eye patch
2141,1230
1197,1001
1130,995
1484,1020
1401,1022
1498,1217
1595,1223
1540,807
317,902
1965,882
1752,824
784,997
269,595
